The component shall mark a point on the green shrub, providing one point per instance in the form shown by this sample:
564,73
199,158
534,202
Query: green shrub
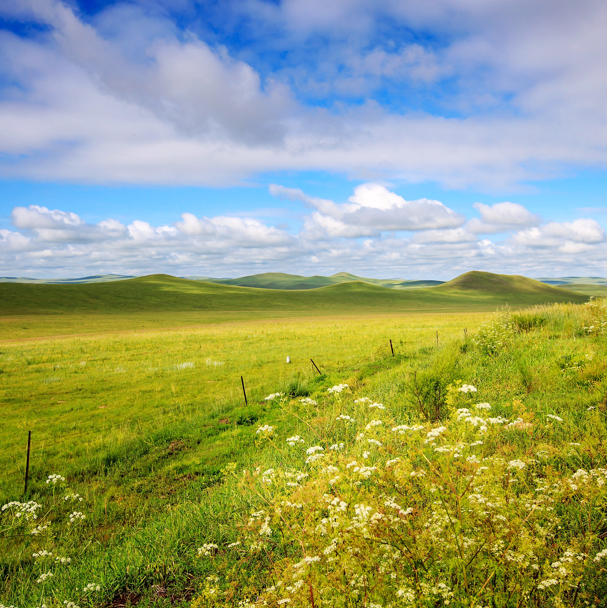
428,389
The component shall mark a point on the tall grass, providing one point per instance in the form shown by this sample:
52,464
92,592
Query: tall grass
471,506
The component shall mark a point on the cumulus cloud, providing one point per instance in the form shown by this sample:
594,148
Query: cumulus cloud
61,226
567,237
371,210
60,243
247,232
502,217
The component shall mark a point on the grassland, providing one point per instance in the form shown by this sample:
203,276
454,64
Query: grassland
144,425
161,301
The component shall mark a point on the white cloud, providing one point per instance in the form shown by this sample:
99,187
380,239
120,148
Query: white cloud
567,237
95,103
61,226
247,232
60,243
373,209
502,217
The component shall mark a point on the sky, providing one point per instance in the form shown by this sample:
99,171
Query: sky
221,138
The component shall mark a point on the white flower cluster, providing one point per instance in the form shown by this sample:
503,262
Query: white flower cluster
338,388
72,497
77,516
43,577
55,479
42,553
23,510
207,550
294,440
308,401
467,388
92,587
274,396
379,406
39,529
265,431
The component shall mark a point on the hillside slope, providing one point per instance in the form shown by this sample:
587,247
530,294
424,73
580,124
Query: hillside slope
281,280
163,293
502,285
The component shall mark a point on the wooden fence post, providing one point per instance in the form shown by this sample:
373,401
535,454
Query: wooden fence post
243,391
27,462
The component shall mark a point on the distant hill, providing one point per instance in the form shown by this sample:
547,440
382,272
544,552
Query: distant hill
280,280
501,285
590,286
164,293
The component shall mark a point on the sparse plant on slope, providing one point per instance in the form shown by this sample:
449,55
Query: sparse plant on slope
428,389
597,316
495,334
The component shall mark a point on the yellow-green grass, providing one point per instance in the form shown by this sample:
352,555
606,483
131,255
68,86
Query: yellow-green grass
588,289
161,301
152,490
143,437
136,431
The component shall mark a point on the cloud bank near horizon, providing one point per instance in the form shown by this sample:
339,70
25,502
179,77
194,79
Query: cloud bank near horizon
376,232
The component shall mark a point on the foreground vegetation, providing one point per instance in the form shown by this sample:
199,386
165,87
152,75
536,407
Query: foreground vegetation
471,473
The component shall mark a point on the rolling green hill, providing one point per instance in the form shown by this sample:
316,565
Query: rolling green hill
163,293
281,280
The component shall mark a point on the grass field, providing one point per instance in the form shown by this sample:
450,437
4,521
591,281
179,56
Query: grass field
160,301
143,425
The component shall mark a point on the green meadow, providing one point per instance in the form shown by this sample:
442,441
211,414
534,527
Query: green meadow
132,391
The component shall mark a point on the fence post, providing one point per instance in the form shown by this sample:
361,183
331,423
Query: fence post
27,462
391,348
243,391
437,339
316,366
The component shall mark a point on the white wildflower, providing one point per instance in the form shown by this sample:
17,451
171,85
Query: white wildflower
294,440
338,388
516,464
467,388
207,550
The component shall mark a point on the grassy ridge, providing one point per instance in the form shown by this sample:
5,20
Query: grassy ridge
165,293
281,280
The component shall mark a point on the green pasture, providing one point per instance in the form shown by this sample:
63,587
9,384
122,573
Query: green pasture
160,301
139,405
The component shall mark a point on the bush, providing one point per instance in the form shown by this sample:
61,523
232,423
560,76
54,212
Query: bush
428,389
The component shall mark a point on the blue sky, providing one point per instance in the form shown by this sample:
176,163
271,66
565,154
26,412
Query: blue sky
389,139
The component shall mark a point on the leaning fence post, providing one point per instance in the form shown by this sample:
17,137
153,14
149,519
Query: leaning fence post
27,462
391,348
316,366
243,391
